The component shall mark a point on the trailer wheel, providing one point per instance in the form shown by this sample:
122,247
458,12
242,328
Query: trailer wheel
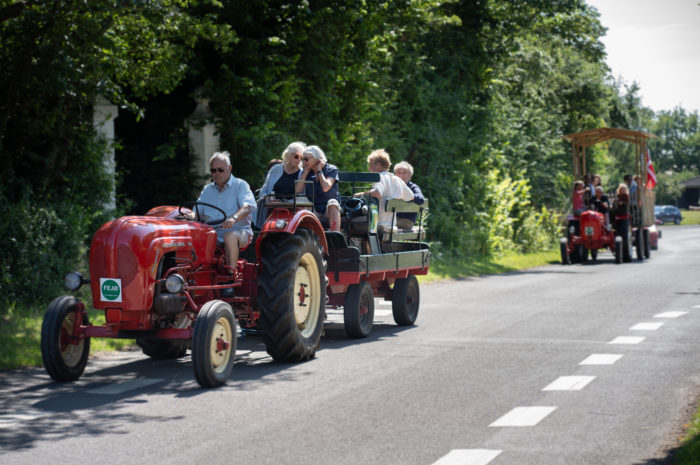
63,358
358,312
639,243
214,344
292,295
647,245
563,248
405,301
618,249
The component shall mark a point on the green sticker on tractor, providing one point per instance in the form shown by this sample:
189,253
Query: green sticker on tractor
111,289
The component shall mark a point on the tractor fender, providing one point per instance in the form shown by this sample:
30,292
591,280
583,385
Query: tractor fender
285,221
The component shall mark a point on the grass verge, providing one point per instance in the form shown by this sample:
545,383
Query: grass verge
20,338
689,450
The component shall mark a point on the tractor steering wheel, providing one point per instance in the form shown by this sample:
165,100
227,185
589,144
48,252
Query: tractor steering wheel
198,217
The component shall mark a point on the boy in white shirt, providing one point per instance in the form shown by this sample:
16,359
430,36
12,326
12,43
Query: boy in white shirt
388,187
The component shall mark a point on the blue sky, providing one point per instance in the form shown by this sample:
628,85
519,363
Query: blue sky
655,43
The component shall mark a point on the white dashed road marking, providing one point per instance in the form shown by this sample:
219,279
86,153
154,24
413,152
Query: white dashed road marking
124,386
468,457
601,359
646,326
669,314
569,383
523,416
627,340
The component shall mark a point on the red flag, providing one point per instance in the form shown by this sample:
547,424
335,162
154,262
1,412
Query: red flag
651,176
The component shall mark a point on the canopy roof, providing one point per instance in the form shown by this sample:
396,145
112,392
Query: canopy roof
595,136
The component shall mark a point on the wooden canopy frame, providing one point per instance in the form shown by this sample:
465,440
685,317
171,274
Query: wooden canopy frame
580,141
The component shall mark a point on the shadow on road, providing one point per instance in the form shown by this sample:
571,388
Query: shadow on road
34,408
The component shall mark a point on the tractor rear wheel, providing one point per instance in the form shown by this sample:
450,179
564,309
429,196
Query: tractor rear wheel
647,244
405,301
639,243
623,228
214,344
292,295
618,249
164,349
563,248
358,311
64,357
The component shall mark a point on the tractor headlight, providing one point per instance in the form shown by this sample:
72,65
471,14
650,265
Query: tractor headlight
280,224
74,280
174,283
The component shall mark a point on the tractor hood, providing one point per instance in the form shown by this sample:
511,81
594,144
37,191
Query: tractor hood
125,254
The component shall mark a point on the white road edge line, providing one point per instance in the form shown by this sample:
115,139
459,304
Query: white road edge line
468,457
601,359
569,383
523,416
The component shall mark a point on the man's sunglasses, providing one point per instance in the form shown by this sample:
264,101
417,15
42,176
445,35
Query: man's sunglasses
214,170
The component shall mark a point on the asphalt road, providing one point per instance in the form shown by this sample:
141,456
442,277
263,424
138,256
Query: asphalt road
583,364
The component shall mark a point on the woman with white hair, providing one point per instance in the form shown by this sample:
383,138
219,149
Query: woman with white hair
404,170
281,177
322,187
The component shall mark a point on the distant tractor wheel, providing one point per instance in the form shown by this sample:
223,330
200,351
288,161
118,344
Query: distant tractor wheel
405,301
563,248
581,253
618,249
623,228
647,244
214,344
639,243
64,355
358,312
292,295
594,254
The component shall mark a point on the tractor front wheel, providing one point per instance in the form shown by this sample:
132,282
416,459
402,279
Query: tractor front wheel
292,295
63,352
358,311
214,344
405,301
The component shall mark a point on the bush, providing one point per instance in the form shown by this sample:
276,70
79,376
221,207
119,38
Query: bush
39,244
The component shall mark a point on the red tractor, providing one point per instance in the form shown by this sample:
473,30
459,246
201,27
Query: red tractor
589,232
163,280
